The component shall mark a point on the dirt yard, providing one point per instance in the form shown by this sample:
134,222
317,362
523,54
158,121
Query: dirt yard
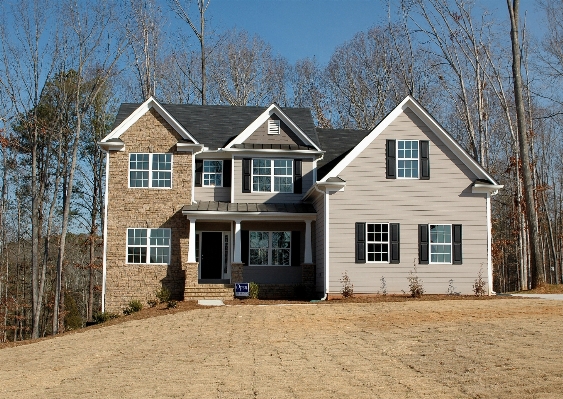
501,348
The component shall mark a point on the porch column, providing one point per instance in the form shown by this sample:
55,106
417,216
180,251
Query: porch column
237,242
191,242
308,252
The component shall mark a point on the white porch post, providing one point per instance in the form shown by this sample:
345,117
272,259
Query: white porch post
191,242
237,241
308,252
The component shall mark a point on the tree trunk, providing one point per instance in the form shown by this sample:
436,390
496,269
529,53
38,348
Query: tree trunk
536,261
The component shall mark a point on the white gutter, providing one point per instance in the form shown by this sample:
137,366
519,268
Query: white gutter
104,258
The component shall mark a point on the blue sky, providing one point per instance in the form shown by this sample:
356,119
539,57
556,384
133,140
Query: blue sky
305,28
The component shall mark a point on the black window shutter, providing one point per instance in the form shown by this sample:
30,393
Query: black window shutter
227,163
297,176
391,169
246,175
457,258
423,244
424,159
244,246
360,242
198,172
395,254
295,248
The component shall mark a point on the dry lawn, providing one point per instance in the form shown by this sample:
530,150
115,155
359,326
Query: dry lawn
501,348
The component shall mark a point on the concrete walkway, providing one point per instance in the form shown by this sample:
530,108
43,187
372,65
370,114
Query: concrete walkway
553,297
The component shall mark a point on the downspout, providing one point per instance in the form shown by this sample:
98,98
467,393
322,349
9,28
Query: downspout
105,234
489,247
326,237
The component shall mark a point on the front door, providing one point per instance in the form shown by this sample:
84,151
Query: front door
211,258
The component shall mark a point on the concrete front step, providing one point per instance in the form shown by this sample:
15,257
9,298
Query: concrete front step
209,291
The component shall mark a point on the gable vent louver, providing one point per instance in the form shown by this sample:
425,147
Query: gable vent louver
273,126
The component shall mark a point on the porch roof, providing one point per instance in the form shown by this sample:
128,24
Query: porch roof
245,210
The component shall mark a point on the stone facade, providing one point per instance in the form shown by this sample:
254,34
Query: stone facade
146,208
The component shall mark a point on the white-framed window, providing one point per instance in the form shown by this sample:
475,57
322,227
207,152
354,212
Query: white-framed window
440,243
150,170
270,248
377,241
407,159
148,245
212,173
278,171
273,126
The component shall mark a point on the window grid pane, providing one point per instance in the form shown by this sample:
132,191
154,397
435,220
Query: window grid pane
261,175
377,242
270,248
150,171
212,173
155,242
407,159
281,173
440,243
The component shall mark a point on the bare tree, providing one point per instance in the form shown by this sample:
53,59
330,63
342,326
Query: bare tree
536,259
199,32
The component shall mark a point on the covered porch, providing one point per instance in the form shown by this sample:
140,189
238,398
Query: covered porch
268,244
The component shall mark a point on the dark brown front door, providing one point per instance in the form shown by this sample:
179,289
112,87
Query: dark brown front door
211,255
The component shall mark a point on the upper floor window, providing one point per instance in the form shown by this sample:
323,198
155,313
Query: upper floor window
150,170
272,175
212,173
407,159
148,246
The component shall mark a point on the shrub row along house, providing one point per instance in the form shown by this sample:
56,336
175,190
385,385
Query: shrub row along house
201,197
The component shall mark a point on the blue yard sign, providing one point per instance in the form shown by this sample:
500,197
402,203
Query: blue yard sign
242,289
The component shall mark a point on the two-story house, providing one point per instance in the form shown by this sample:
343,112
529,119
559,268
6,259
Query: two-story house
200,197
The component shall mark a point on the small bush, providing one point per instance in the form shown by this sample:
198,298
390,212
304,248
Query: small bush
451,288
253,291
479,285
134,306
172,304
163,295
102,317
347,290
383,286
152,303
415,283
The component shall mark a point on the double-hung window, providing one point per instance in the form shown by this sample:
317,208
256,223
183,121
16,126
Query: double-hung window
212,173
377,241
150,170
270,248
148,246
407,159
272,175
440,243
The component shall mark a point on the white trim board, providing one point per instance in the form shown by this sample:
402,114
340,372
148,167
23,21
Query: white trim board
264,116
410,103
140,111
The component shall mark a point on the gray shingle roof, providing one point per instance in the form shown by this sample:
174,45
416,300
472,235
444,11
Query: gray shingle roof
337,143
216,125
212,206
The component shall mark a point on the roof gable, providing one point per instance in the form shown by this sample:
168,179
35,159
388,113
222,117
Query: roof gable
141,110
272,110
410,103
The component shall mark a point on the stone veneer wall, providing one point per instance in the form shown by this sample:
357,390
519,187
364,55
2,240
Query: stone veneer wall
146,208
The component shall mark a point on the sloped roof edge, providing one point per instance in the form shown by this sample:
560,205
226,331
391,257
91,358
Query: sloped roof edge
151,102
272,109
413,105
